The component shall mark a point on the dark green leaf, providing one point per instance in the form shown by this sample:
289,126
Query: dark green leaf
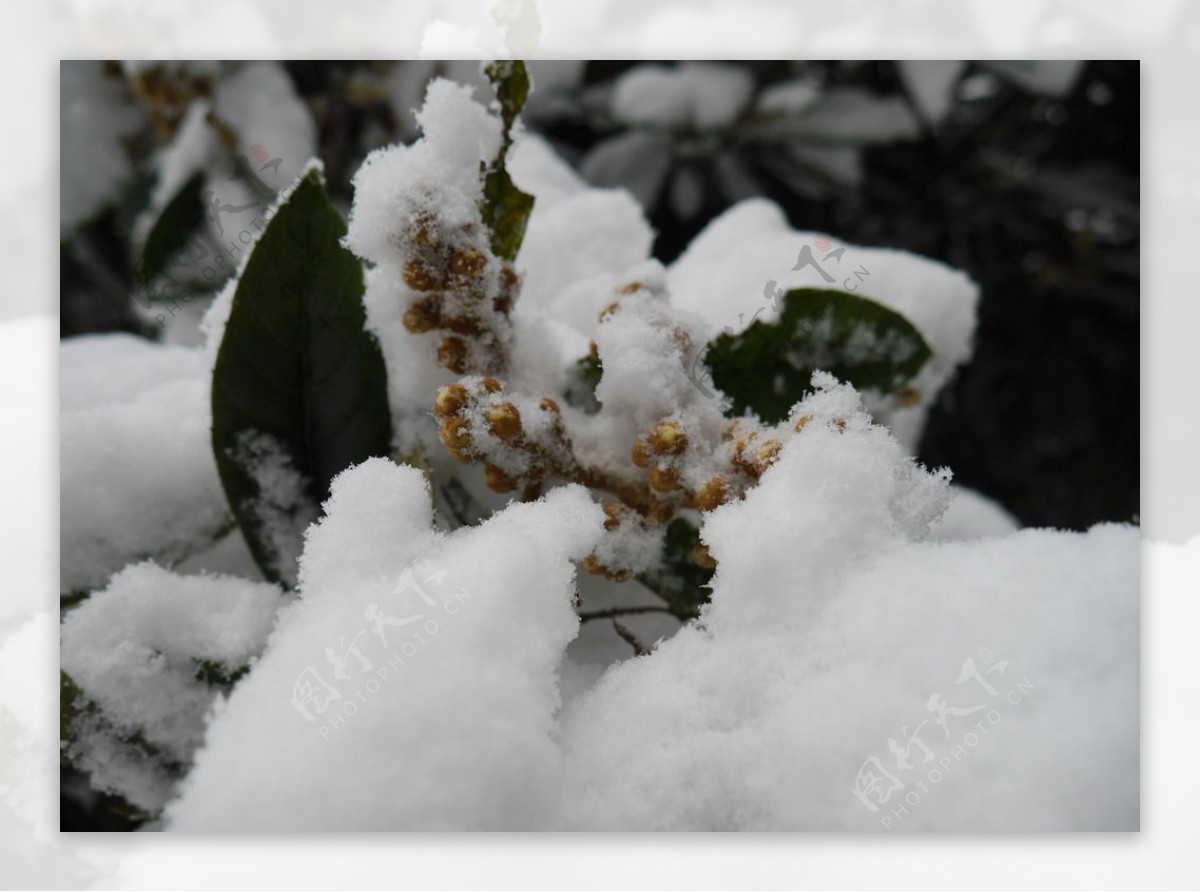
298,382
506,208
678,580
768,367
170,232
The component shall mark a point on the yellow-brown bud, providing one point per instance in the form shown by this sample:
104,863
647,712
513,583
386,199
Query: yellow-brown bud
667,438
638,454
452,355
497,480
614,512
663,479
419,276
702,558
801,423
712,494
467,263
455,434
765,455
424,314
450,401
491,385
504,421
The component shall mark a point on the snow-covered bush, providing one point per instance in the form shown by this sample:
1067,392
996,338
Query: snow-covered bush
343,594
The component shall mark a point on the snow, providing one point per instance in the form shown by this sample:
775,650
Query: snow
136,468
134,650
829,631
452,726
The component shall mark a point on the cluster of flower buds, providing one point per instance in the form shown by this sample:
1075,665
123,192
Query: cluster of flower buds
479,422
463,292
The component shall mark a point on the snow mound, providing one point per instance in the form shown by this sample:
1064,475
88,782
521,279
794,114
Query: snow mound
136,468
414,685
140,651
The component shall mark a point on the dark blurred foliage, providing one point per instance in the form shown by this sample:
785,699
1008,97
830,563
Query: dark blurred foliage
1035,196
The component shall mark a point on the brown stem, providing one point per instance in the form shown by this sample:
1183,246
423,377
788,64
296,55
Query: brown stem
612,612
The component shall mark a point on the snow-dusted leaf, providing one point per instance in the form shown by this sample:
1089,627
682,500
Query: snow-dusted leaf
769,366
299,387
931,83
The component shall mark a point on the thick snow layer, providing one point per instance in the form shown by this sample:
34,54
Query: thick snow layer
135,649
441,652
939,301
1004,669
136,469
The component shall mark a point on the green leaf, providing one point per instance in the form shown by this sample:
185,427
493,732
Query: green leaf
769,366
299,388
180,218
506,208
678,580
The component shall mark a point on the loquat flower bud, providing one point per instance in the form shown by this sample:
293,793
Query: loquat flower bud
455,435
452,355
638,454
667,438
504,421
614,512
765,455
450,401
608,311
424,314
701,557
468,263
491,385
801,423
662,512
908,397
497,480
419,276
663,479
712,494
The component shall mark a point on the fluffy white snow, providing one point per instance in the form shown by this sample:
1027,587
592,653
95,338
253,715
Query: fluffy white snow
833,625
442,721
135,649
136,469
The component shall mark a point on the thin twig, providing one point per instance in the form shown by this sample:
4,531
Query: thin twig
621,611
630,639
